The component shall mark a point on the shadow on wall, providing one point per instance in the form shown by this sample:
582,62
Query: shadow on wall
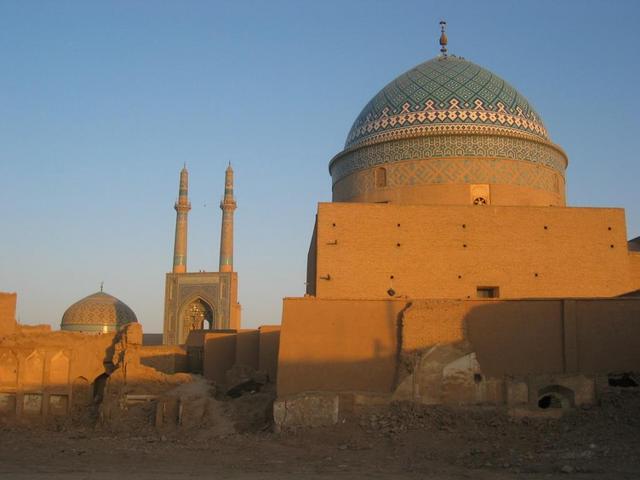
53,374
457,352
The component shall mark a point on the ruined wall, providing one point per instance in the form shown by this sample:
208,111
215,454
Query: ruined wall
372,250
7,313
337,345
437,350
509,337
257,349
43,375
164,358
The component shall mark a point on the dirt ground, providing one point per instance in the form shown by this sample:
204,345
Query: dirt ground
401,441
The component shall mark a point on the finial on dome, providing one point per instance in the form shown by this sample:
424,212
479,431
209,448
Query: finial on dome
101,286
443,38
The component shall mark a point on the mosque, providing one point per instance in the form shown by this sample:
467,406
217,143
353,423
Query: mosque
448,269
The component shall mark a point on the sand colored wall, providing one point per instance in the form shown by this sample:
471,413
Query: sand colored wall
219,355
634,261
222,350
337,345
164,358
268,351
7,313
513,337
448,251
608,335
248,348
45,374
330,345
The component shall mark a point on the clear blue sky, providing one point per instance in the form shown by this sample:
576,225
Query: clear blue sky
102,102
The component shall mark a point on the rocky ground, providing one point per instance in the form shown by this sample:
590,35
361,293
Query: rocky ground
400,441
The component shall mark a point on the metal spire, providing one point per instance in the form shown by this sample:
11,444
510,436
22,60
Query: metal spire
443,38
101,286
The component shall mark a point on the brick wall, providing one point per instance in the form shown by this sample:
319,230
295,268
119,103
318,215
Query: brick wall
364,250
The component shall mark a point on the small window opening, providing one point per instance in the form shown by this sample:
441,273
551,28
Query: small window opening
381,177
477,377
555,396
391,292
488,292
480,201
549,401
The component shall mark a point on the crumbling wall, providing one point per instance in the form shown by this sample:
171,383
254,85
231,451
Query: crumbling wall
45,375
164,358
214,353
513,352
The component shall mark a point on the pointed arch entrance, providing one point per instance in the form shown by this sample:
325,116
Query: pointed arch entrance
197,314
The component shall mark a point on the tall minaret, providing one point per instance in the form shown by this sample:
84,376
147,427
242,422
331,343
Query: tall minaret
182,207
228,206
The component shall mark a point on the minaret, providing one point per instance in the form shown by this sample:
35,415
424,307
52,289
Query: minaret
182,207
228,206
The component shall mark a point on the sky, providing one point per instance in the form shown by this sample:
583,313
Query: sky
101,103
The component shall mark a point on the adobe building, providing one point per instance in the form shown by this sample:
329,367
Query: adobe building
448,268
198,301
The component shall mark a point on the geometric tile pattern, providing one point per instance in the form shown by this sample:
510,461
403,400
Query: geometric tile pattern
97,310
475,147
444,91
182,289
452,171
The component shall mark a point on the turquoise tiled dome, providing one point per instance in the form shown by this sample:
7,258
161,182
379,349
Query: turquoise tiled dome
447,94
97,313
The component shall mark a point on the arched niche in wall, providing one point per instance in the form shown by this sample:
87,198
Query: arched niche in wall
33,370
59,369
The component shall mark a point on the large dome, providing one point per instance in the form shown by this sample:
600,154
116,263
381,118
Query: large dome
444,93
449,122
97,313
